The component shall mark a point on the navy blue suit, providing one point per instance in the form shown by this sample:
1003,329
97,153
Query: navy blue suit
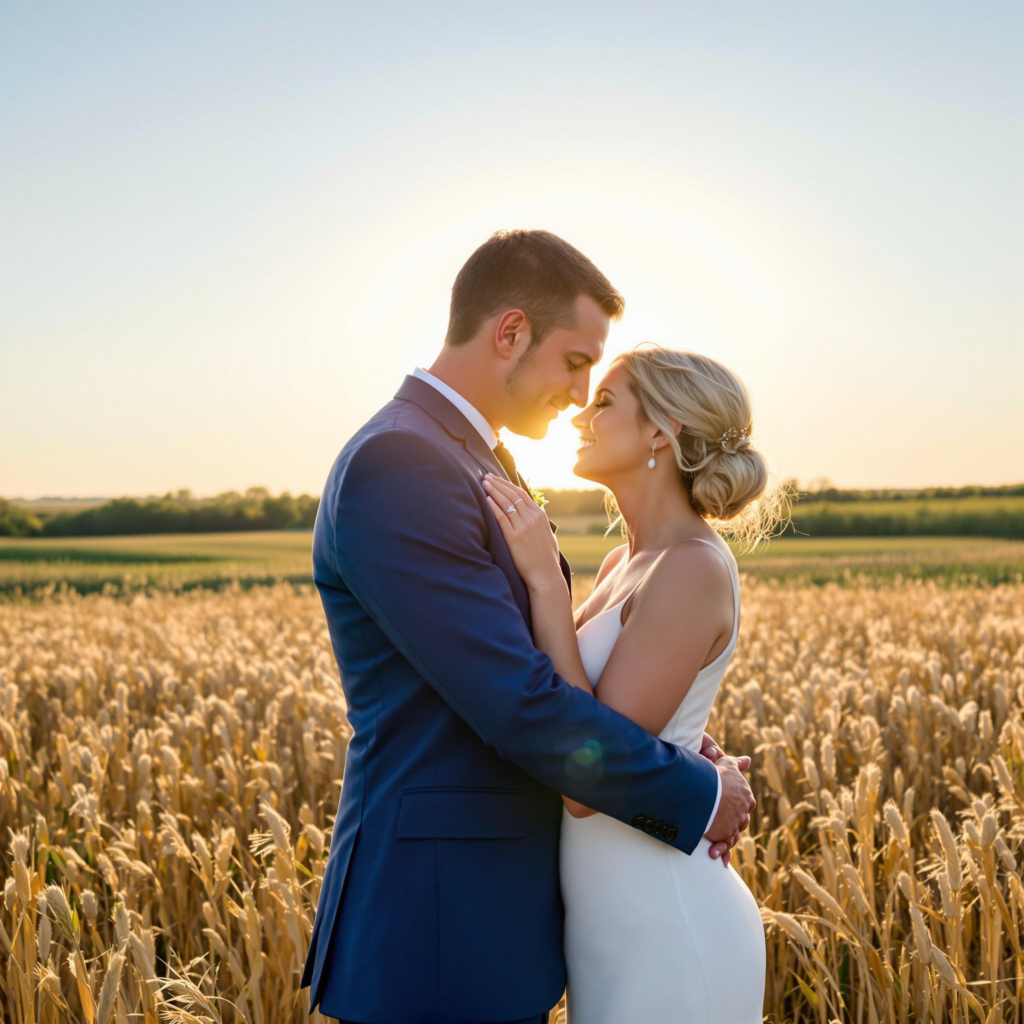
440,901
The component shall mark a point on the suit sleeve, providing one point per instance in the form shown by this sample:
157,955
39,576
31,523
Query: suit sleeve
410,539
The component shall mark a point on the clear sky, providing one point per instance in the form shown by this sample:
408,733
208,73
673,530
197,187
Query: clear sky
228,230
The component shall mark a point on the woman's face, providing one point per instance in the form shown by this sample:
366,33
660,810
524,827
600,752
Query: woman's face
612,441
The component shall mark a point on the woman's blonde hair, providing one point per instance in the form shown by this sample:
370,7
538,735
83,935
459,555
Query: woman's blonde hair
727,480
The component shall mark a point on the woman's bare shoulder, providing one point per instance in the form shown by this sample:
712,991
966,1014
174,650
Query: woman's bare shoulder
687,571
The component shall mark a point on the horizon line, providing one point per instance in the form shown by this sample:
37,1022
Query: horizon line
594,487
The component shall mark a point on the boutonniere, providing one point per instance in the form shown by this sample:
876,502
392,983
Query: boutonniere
538,496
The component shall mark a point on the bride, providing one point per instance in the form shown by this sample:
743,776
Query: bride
651,933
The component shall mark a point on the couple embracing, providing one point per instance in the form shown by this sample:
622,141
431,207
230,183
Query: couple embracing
531,804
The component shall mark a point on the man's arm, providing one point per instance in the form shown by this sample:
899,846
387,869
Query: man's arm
411,544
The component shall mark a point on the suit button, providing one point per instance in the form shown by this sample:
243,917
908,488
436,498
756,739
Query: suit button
639,820
671,833
659,829
649,825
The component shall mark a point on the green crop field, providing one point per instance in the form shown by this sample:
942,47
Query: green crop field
999,516
164,561
922,506
185,561
788,555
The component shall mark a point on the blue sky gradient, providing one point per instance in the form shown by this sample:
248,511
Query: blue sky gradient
229,230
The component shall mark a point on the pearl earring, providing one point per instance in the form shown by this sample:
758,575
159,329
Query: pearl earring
651,464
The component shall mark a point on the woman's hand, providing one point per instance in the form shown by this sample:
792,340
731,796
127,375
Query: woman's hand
527,531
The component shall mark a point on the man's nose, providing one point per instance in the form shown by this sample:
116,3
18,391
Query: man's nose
580,388
578,394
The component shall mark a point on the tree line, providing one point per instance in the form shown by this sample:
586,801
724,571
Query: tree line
180,512
590,502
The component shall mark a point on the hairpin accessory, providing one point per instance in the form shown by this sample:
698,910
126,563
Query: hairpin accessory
732,434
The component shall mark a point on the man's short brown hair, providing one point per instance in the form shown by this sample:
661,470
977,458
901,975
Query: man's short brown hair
534,271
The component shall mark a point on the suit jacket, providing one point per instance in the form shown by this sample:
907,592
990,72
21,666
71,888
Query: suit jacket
440,901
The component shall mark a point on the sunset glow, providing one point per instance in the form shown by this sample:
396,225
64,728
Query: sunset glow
214,277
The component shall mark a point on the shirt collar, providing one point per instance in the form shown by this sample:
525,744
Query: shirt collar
467,409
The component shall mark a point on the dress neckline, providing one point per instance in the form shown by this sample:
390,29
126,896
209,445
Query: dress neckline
610,608
618,604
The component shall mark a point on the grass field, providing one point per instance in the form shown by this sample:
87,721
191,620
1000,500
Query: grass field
185,561
172,738
170,764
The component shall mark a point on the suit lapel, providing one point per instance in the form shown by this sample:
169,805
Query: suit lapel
431,401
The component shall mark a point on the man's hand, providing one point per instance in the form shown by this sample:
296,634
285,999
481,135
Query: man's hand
710,749
737,802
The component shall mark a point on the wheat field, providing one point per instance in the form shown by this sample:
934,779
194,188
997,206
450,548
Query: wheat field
171,764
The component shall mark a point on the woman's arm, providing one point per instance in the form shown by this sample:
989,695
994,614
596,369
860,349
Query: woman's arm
554,631
535,553
654,662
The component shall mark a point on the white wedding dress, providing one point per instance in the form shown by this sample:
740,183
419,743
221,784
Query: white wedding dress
652,934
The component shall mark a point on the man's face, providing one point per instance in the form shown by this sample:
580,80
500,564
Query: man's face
555,373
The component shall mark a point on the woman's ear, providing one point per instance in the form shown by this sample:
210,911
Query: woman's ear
659,437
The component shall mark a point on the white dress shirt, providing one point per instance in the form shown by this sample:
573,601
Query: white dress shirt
487,433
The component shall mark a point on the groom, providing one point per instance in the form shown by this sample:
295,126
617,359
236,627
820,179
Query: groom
440,901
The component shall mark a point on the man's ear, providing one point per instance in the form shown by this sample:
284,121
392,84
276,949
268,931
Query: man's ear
511,334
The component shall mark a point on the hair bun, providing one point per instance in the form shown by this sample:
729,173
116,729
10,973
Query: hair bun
673,387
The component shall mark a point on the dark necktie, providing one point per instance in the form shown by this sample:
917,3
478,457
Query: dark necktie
504,456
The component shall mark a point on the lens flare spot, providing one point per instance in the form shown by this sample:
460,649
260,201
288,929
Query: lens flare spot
585,763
